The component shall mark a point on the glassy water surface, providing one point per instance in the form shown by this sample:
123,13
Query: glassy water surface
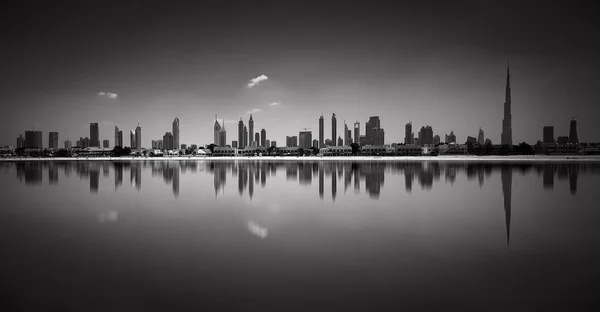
305,236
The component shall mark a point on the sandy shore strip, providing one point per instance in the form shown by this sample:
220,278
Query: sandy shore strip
453,158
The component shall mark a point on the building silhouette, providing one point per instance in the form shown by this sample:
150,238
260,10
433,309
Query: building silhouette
333,128
245,136
450,138
356,132
168,143
20,141
241,134
436,139
132,138
216,134
118,137
305,139
507,121
138,137
105,143
68,144
408,134
340,142
223,135
176,133
425,135
374,135
263,137
573,131
480,137
52,139
321,131
94,135
548,133
251,130
347,135
33,139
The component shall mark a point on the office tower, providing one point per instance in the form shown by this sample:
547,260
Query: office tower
305,139
234,144
408,135
132,144
263,137
321,131
507,121
425,136
246,135
333,128
241,134
118,137
347,135
33,139
223,135
52,139
315,143
94,135
154,144
340,142
68,144
357,132
471,139
436,139
159,145
288,141
267,143
480,137
105,143
85,142
20,141
256,139
138,137
450,138
251,130
216,135
273,143
168,143
374,135
573,131
176,133
548,134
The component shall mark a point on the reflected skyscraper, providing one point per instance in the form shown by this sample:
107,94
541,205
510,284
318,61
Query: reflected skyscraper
333,183
506,176
94,179
118,168
52,174
573,175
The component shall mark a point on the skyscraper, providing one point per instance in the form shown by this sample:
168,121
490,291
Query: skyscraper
480,137
94,135
222,135
333,128
305,139
33,139
250,130
507,121
263,138
138,137
245,137
176,133
548,134
357,132
256,141
241,134
216,135
167,141
340,142
68,144
408,134
132,144
118,137
321,131
347,135
52,139
426,136
573,131
374,135
20,141
450,138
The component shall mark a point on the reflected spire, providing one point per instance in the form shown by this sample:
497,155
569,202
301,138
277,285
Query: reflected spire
506,176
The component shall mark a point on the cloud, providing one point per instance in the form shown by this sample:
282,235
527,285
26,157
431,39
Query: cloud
257,230
254,111
255,81
274,104
109,95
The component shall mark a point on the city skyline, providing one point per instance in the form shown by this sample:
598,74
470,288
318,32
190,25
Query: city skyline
454,83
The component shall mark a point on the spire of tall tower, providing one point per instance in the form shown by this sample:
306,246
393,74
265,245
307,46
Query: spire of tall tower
508,74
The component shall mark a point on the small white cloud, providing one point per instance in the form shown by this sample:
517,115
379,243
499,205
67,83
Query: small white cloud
274,104
101,93
255,81
111,95
257,230
254,111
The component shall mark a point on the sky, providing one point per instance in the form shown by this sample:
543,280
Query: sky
66,64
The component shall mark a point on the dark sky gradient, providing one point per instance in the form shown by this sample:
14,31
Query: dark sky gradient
442,64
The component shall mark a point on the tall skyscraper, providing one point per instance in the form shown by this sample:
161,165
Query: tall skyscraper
118,137
263,138
507,121
68,144
246,135
176,133
480,137
548,134
250,130
333,129
241,134
408,134
256,139
138,137
340,142
216,134
450,138
20,141
94,135
52,139
426,136
374,135
33,139
357,132
305,139
132,144
167,141
347,135
223,135
573,131
321,131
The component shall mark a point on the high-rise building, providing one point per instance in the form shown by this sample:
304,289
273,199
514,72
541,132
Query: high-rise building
321,131
33,139
374,135
425,135
471,139
132,144
267,143
573,132
250,129
507,121
216,134
223,135
68,144
273,143
159,145
436,139
176,133
20,141
548,134
291,141
315,143
450,138
118,137
241,134
52,139
347,135
105,143
167,141
263,138
154,144
305,139
357,132
257,138
246,135
138,137
234,144
340,142
333,128
408,134
480,137
94,135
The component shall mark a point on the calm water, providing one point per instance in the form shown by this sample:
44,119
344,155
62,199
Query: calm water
309,236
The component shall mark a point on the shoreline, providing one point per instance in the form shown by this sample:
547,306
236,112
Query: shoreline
522,158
